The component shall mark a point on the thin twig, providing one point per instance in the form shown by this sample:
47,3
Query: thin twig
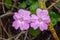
3,6
49,37
25,35
6,14
4,28
53,4
11,37
19,34
57,9
2,38
0,31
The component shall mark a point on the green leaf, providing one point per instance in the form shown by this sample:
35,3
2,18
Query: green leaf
53,21
8,3
53,17
29,2
22,5
33,7
33,32
53,14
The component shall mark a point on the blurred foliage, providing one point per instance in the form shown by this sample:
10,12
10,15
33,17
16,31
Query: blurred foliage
54,17
33,32
8,3
22,5
29,2
26,3
33,7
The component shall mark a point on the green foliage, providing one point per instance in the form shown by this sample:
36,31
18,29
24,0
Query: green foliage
8,3
53,17
33,32
22,5
54,21
29,2
33,7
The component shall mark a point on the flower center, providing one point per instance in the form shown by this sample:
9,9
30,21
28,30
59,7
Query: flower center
39,20
21,19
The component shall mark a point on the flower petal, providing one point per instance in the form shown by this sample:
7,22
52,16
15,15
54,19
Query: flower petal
16,24
38,12
27,19
16,16
45,12
24,12
41,13
34,18
46,19
27,13
24,26
35,25
21,12
43,26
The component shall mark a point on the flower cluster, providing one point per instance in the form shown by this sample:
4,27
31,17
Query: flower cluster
23,20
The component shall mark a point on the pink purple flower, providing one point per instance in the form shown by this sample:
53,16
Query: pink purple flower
21,19
40,20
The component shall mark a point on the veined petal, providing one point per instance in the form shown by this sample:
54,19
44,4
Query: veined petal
24,12
24,26
43,26
46,19
27,13
34,18
16,16
16,24
45,12
39,12
21,12
27,19
35,25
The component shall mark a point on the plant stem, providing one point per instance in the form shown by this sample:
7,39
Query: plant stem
42,4
53,32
